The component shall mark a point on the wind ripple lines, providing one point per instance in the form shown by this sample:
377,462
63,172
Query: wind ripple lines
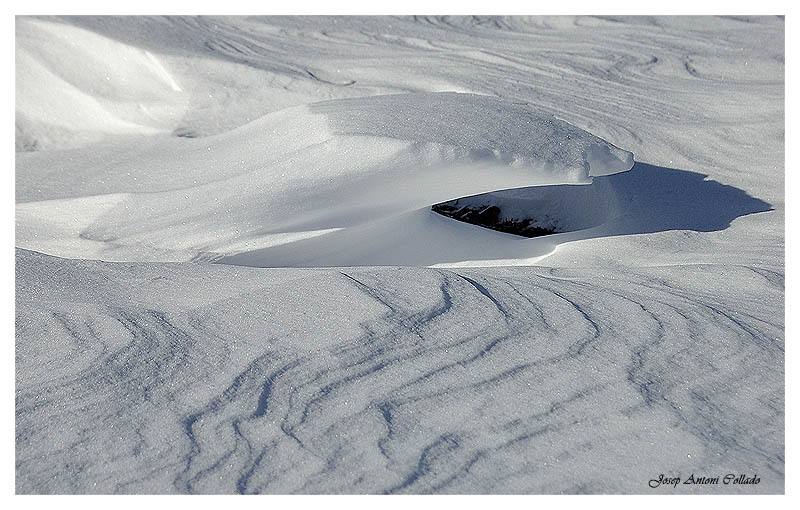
471,381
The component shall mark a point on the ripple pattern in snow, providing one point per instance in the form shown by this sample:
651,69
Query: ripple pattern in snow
215,379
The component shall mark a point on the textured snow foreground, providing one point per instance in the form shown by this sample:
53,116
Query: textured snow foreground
377,347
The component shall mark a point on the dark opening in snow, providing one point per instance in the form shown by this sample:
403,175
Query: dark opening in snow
489,217
538,210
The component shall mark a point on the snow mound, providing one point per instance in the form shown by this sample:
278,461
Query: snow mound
485,127
74,87
337,171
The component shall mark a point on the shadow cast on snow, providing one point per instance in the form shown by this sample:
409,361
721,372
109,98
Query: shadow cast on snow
656,199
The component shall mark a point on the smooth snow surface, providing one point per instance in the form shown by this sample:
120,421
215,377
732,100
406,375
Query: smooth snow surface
375,346
74,86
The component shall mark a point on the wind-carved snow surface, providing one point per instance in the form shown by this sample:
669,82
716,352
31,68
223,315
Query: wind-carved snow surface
376,346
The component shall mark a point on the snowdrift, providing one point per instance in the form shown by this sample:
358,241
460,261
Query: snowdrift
74,87
353,179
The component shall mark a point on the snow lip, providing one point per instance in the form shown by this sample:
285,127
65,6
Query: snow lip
607,160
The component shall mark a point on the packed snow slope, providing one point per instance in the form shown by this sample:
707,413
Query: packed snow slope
377,347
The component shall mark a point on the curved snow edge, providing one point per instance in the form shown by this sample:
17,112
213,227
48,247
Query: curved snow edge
607,159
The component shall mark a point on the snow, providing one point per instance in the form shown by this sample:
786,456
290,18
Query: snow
367,169
74,86
375,346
